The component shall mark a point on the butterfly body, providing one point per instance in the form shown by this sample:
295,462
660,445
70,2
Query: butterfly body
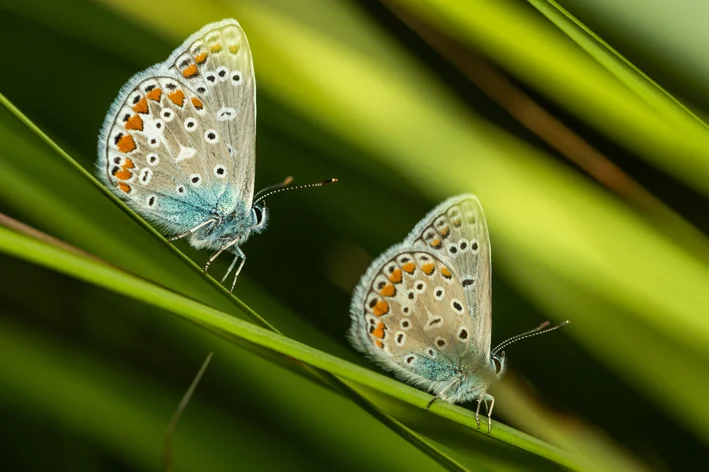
178,144
234,223
423,308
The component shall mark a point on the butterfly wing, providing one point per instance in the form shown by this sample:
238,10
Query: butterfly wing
179,141
456,232
409,315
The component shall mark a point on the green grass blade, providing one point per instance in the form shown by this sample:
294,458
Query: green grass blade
638,117
625,71
96,273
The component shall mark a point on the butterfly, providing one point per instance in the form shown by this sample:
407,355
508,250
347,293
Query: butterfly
178,144
422,310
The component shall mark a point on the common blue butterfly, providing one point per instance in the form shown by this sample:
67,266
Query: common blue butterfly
423,308
178,144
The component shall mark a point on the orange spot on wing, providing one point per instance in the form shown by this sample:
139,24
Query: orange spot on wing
135,122
379,331
123,174
197,103
444,232
124,187
381,308
409,267
129,164
379,343
395,276
141,106
215,48
234,49
428,268
445,272
126,143
154,94
190,71
436,243
388,291
177,97
201,57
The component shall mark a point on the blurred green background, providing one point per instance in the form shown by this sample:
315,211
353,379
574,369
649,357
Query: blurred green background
579,126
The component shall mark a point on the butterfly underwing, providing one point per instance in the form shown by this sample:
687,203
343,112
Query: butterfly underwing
178,144
423,308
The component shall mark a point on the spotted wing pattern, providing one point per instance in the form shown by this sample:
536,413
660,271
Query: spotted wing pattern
178,143
456,232
409,314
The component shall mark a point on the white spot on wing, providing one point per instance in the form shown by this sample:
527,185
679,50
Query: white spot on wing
145,176
226,114
185,153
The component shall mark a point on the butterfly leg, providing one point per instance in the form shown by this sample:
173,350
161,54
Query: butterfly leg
216,254
489,405
239,256
192,230
442,393
477,413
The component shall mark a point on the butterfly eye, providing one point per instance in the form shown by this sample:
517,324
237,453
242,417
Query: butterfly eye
497,362
259,215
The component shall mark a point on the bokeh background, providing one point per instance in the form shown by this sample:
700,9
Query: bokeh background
579,124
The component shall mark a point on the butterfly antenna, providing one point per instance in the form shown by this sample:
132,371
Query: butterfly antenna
273,189
285,183
541,329
167,450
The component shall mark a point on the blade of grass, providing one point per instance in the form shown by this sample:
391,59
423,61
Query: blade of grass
545,58
95,273
624,70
